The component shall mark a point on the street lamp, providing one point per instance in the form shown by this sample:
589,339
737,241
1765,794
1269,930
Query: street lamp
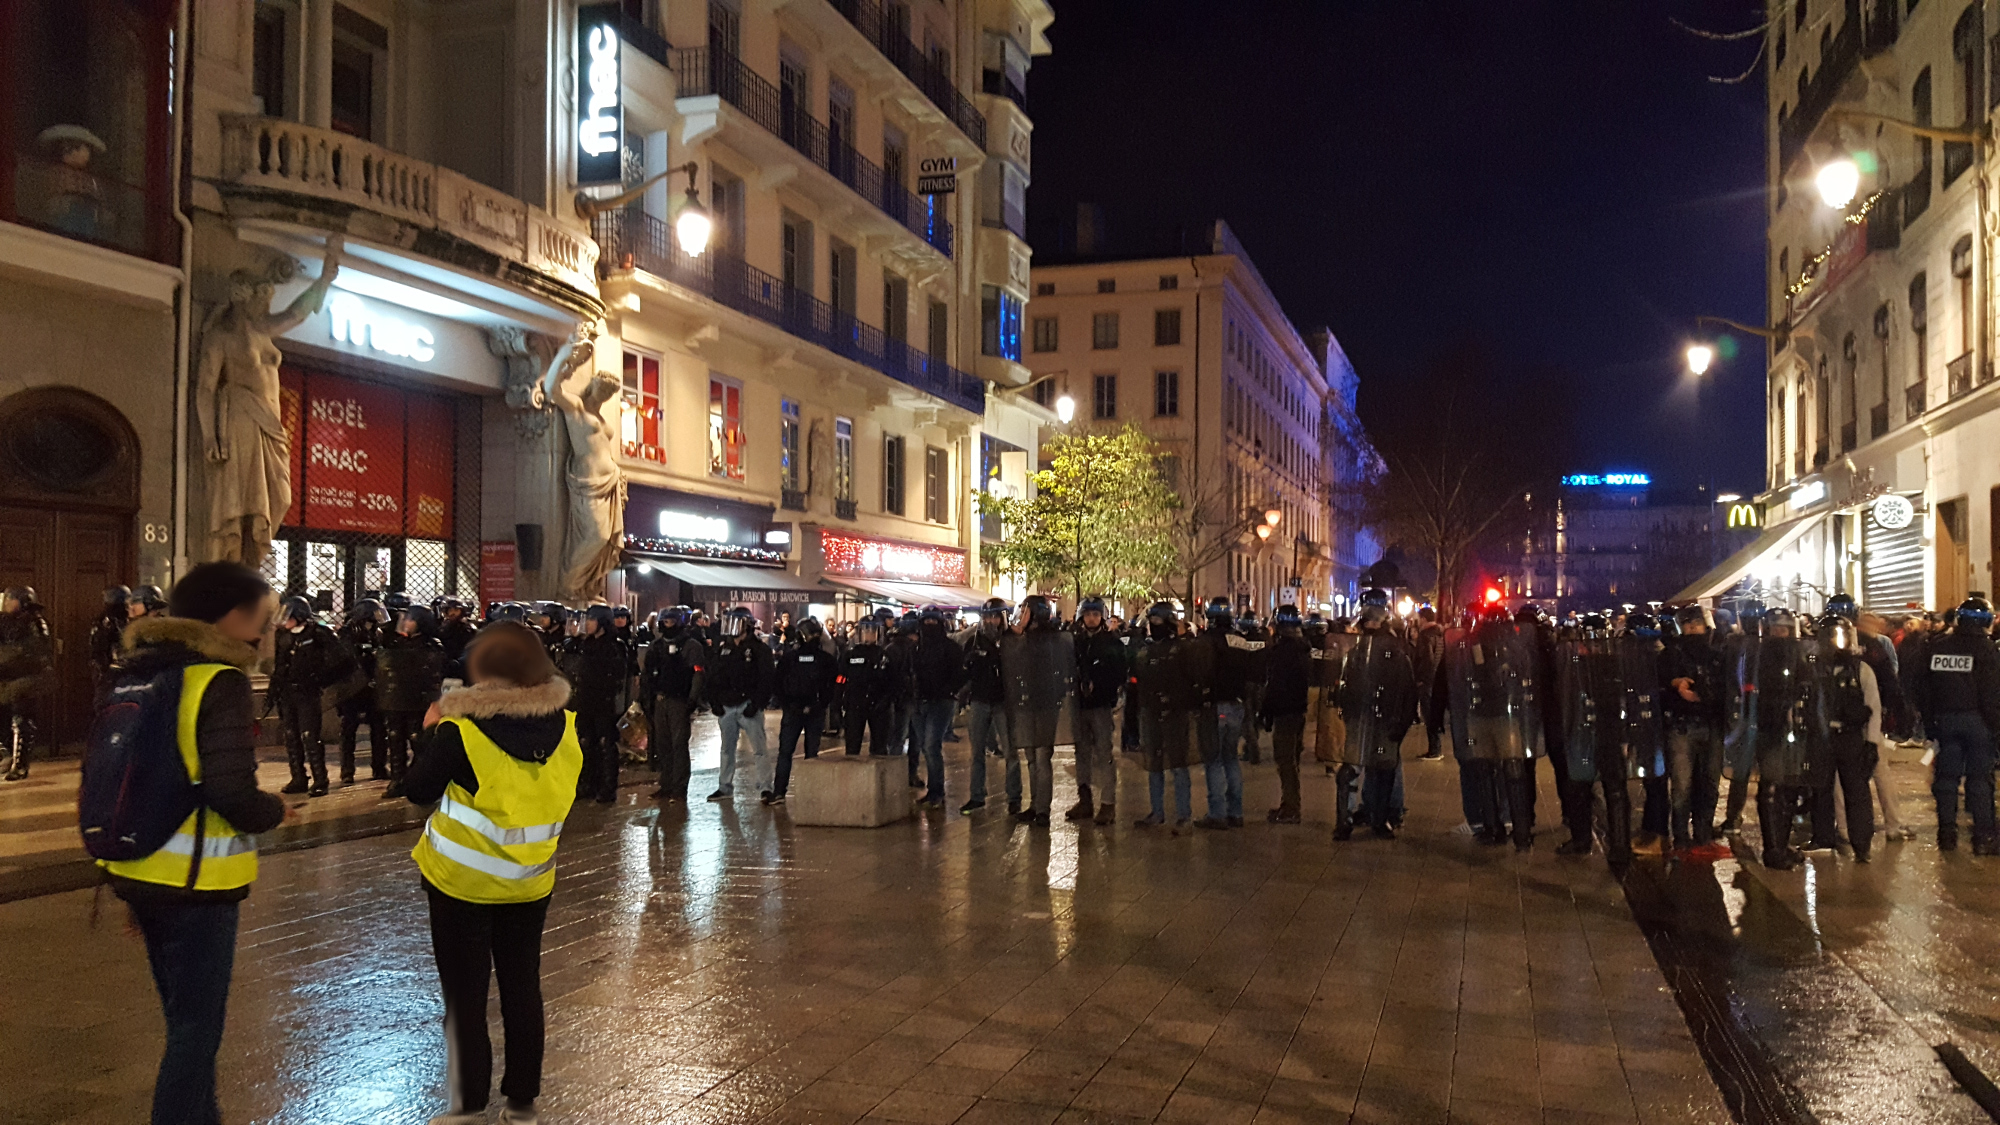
1838,182
692,224
1272,516
1699,356
1065,409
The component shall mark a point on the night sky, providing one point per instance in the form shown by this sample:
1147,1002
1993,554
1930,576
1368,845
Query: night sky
1555,184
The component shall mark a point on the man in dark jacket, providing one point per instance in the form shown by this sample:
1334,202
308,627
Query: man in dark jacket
600,661
986,707
1426,659
455,631
1101,672
1221,661
1254,673
1957,694
939,668
867,690
362,634
1168,701
109,630
902,653
310,659
1288,674
1039,663
1377,697
807,675
220,611
27,653
409,676
739,688
670,689
1692,699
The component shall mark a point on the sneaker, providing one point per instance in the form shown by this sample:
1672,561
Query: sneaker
764,797
319,789
1025,816
1432,756
394,791
511,1114
1213,822
720,795
1078,811
296,785
1149,822
1107,814
970,807
932,802
1235,822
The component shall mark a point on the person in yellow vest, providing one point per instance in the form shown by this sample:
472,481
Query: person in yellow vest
185,896
500,759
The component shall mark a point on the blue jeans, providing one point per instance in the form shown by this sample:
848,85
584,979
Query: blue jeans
732,721
986,729
192,950
1156,788
931,722
1965,753
1224,770
799,721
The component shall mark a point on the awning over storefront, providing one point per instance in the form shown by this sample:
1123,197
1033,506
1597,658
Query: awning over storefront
1772,541
911,593
720,582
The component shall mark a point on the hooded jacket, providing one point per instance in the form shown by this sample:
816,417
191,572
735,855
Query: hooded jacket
526,722
224,739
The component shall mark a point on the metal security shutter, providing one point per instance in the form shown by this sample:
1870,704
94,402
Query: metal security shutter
1892,569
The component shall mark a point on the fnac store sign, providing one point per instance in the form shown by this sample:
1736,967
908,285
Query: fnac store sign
368,458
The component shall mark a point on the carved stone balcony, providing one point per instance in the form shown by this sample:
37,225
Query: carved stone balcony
426,208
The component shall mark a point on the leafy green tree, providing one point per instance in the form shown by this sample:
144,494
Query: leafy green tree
1096,522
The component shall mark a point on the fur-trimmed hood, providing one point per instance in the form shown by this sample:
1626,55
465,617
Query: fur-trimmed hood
526,722
146,636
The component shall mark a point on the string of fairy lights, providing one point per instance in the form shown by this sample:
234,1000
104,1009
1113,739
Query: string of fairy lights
1809,268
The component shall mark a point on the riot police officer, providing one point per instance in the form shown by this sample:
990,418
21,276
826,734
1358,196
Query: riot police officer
310,659
455,631
1639,649
1168,702
1101,672
805,684
27,654
1780,701
670,689
1495,698
986,708
599,661
1220,668
409,677
1957,695
109,630
1692,705
1850,706
1255,671
867,691
362,633
1288,675
1039,663
1377,696
1592,695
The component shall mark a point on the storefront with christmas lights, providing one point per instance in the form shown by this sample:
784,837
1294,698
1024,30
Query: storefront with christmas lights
684,548
865,572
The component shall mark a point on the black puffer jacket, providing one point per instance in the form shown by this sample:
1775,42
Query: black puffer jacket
409,671
939,665
1288,671
27,653
739,671
600,662
806,674
309,661
224,738
984,680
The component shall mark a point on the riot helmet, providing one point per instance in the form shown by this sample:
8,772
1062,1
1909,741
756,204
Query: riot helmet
115,597
1375,596
22,596
1161,621
1780,622
396,600
1531,613
1842,605
736,621
1695,615
618,611
153,599
1975,615
295,609
1592,626
1491,611
809,629
597,618
1287,620
1373,617
1036,612
1641,624
993,616
419,618
1092,604
1314,627
868,631
1840,633
370,610
509,611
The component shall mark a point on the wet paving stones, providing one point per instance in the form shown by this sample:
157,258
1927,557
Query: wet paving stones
717,964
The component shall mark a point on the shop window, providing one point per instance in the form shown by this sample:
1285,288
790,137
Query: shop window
843,461
87,120
1047,335
642,414
788,451
937,484
725,428
892,474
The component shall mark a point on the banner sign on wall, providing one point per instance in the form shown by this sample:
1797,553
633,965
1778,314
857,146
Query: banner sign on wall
353,466
496,571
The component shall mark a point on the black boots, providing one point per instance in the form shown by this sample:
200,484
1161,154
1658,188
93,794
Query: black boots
1775,822
1083,807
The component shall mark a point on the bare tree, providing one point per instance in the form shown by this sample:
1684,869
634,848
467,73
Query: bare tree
1204,524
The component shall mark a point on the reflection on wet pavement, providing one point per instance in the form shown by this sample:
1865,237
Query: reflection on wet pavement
717,964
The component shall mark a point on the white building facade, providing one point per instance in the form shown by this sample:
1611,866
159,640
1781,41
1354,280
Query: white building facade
1884,480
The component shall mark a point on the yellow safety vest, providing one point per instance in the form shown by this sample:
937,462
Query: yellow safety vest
499,844
227,858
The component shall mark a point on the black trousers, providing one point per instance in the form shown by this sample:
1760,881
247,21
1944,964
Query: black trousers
673,727
1615,785
597,735
877,720
1288,745
403,727
351,720
1853,764
473,942
800,721
305,741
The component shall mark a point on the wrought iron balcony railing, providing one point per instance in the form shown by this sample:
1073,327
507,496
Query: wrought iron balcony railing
630,239
893,40
1958,376
1839,61
700,71
1916,398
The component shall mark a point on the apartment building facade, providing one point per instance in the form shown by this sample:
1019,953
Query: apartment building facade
1255,417
1881,420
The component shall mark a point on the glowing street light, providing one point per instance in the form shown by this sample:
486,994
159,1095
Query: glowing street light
1699,356
1728,498
1263,531
692,226
1272,516
1838,182
1065,409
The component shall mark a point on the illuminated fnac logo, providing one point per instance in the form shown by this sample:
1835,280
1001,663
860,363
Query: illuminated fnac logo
354,323
1606,480
1746,515
600,125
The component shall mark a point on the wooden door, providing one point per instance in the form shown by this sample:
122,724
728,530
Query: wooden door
1954,553
69,558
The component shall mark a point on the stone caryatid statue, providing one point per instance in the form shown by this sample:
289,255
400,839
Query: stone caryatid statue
239,409
594,533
